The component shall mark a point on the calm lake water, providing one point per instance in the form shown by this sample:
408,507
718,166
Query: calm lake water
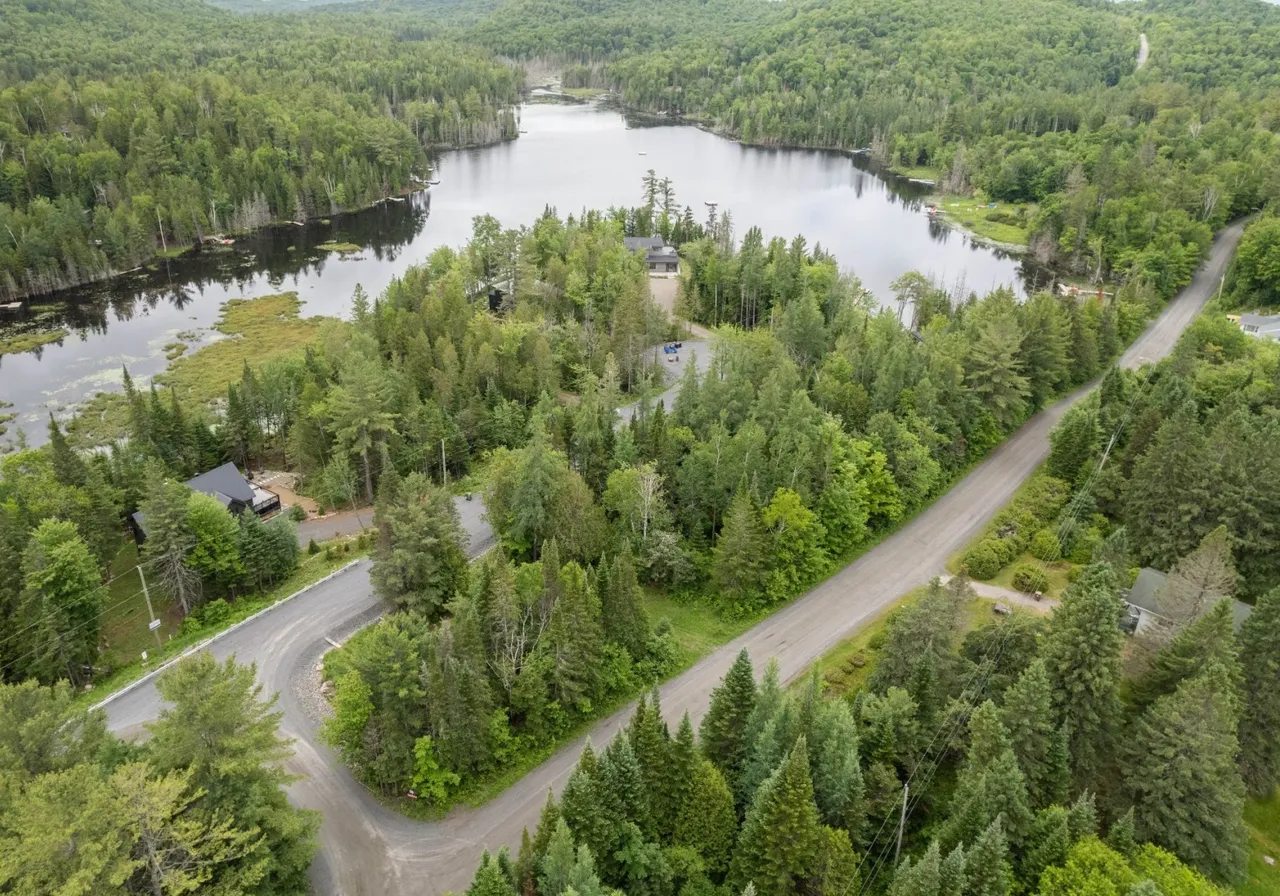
572,157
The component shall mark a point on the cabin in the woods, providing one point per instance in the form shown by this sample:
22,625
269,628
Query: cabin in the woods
659,257
1259,326
231,489
1144,605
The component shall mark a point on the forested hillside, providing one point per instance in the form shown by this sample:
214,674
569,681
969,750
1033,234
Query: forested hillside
128,127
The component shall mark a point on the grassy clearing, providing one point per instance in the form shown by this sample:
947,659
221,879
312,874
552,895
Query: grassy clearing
260,330
340,248
311,568
1056,572
1262,817
29,342
1006,223
915,172
697,628
175,350
584,92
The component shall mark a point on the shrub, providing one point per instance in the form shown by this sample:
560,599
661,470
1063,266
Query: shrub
297,513
982,560
1073,574
312,547
1006,550
1085,544
1029,577
1045,546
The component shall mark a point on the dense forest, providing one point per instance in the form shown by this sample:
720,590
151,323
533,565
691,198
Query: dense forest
129,128
200,807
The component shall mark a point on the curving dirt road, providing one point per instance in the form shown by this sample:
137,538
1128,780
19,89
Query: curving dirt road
370,851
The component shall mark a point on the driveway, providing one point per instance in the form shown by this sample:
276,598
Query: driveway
370,851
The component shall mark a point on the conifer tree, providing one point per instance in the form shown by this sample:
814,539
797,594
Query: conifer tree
987,863
781,836
556,868
1038,744
1210,639
169,538
620,608
738,563
622,786
490,880
526,867
1074,441
1182,773
1122,836
419,563
837,775
583,807
706,821
575,641
546,826
651,743
952,877
1048,844
1260,711
1169,491
68,468
1083,817
836,869
1082,657
1199,580
920,878
723,729
990,785
59,611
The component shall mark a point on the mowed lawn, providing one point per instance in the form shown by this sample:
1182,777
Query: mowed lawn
124,624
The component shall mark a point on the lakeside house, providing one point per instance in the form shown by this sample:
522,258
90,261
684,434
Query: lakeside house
1259,326
1143,603
660,258
231,489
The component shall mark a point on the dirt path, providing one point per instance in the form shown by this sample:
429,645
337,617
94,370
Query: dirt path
1009,596
368,850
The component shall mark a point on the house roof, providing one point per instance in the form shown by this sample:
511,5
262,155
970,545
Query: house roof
635,243
1267,326
658,256
1145,595
224,483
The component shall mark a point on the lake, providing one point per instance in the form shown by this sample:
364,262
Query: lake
571,157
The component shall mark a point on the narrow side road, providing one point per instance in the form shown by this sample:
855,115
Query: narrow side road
370,851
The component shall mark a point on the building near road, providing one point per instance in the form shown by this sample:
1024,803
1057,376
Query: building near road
231,489
661,258
1259,326
1143,605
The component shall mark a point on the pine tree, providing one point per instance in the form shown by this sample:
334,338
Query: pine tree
419,563
1074,442
169,538
575,641
952,876
738,564
781,835
1122,836
1199,580
987,863
59,611
1169,491
1083,817
620,608
651,743
836,870
490,880
920,878
556,868
525,872
1182,773
837,775
1260,713
68,468
1082,656
1048,844
622,786
706,821
546,827
990,786
723,729
1037,743
584,806
1210,639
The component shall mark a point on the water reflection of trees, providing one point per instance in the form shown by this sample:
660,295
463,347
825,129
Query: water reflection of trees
279,254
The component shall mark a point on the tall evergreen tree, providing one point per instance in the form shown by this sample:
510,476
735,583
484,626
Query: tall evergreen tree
1049,844
738,564
169,538
575,641
419,563
1199,580
1182,773
1170,490
1038,744
621,609
490,880
920,878
1260,712
651,743
837,774
990,786
1210,639
723,729
987,863
781,835
59,613
1082,656
706,821
68,468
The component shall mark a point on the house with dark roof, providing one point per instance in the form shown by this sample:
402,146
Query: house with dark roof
660,258
230,488
1143,603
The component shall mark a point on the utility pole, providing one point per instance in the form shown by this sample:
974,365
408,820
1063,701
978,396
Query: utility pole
902,821
153,622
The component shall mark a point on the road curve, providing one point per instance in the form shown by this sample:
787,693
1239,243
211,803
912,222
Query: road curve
370,851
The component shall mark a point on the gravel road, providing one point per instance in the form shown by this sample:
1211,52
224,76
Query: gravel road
370,851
